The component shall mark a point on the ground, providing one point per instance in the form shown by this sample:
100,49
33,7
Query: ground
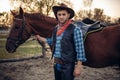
42,69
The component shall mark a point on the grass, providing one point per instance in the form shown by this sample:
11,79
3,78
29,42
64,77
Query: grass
2,43
29,48
3,36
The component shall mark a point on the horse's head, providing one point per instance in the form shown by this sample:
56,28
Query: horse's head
19,33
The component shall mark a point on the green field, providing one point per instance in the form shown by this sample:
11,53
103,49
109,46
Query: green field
28,49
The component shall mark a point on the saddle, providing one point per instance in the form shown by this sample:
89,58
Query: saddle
87,28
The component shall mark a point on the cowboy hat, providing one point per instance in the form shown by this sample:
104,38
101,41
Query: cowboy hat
63,7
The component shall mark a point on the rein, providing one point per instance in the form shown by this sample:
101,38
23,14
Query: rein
20,40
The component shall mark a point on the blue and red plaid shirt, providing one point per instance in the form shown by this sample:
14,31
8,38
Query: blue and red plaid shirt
79,45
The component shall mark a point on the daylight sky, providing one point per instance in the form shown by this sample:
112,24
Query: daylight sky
110,7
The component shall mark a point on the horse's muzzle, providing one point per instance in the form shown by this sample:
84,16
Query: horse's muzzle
10,48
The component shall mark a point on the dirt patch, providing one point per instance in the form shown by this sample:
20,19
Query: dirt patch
42,69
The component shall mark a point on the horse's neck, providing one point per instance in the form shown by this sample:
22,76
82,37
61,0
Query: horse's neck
42,25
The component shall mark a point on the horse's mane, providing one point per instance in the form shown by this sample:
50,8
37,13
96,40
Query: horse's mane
42,17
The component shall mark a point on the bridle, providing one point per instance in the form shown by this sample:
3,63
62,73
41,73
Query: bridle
20,39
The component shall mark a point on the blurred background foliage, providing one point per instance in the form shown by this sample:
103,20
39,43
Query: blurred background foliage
44,7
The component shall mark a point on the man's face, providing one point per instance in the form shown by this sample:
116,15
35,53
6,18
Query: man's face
63,16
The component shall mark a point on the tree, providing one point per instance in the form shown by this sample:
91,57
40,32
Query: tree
98,14
41,6
48,5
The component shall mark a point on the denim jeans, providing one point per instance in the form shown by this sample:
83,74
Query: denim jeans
64,71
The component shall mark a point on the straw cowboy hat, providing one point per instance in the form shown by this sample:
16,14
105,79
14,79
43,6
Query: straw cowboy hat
63,7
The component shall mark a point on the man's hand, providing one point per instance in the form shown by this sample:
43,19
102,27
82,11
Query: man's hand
78,69
40,39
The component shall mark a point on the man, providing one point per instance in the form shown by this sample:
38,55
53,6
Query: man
67,45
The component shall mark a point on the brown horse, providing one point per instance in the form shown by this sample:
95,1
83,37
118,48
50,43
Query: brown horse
102,48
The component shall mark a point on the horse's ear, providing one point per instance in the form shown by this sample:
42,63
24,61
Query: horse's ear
13,13
21,12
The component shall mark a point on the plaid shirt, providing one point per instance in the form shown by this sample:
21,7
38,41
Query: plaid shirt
79,45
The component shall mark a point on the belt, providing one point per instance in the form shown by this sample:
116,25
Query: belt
58,60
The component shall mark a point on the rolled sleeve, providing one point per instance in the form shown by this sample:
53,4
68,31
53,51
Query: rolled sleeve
78,39
49,41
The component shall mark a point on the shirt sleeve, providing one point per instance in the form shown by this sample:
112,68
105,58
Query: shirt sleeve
49,41
79,45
